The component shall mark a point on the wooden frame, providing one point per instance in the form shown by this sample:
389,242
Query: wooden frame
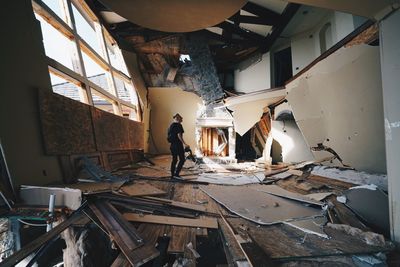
78,75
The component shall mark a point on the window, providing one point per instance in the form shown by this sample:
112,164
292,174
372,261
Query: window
82,54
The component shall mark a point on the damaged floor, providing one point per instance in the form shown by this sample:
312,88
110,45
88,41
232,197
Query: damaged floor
219,214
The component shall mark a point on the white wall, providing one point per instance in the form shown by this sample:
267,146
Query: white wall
254,78
338,102
294,147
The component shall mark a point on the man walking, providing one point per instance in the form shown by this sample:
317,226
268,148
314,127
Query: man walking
178,145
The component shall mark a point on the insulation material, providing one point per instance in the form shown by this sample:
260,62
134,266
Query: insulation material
352,176
164,106
65,197
257,206
338,102
248,109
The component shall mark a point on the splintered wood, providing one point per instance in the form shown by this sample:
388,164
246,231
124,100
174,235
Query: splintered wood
168,220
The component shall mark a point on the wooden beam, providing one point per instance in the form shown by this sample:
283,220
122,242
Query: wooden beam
239,31
286,16
262,12
257,20
169,220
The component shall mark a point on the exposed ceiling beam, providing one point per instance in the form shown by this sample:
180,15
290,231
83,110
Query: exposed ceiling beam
226,26
257,20
286,16
261,11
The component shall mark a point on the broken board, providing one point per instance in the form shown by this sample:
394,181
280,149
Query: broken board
257,206
169,220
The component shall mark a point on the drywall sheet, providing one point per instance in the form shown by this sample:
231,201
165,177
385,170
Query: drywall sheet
278,191
291,140
338,102
66,125
165,102
371,205
248,109
116,133
259,207
65,197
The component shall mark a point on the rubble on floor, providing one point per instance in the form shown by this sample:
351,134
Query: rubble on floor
145,218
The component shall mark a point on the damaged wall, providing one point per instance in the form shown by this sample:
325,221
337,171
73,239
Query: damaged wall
255,77
338,102
165,102
24,71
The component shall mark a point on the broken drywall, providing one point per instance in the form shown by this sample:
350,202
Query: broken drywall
289,137
165,102
338,102
248,109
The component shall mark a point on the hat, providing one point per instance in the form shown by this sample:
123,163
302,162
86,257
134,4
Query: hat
177,115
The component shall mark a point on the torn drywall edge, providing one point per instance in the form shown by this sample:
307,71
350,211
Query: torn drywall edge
320,233
352,176
280,192
37,195
250,219
248,109
368,186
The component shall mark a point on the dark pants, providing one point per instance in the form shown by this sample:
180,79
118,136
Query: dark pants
177,152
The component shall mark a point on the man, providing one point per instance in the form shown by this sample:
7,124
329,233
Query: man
178,145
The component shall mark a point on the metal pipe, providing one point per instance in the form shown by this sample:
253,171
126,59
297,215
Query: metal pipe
52,202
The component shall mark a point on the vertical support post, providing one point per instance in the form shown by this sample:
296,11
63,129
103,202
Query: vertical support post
390,68
232,143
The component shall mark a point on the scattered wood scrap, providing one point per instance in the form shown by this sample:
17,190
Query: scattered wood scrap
169,220
141,189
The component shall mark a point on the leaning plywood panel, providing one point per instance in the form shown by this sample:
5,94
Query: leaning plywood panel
113,132
259,207
66,125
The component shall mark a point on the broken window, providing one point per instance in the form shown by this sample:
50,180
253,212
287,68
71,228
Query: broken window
75,44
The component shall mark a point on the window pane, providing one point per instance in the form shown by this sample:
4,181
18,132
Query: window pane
96,73
56,45
56,7
129,113
116,59
66,88
86,31
125,91
101,102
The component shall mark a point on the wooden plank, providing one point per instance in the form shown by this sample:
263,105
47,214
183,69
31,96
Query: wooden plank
124,234
141,189
179,204
41,240
168,220
179,238
58,113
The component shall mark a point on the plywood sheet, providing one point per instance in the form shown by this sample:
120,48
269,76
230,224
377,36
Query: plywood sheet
66,125
169,220
258,206
141,189
113,132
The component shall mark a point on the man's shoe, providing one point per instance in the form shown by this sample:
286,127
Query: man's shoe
178,177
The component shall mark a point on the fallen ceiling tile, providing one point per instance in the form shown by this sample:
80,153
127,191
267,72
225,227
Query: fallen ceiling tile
257,206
